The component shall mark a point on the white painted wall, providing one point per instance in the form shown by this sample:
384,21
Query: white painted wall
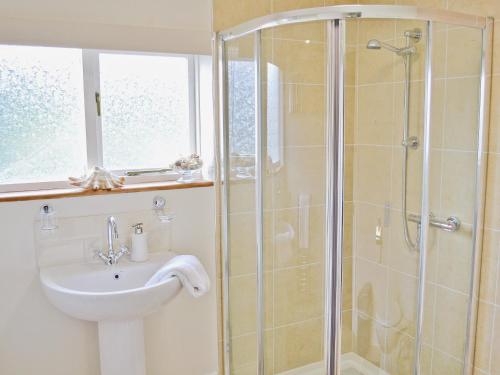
35,338
182,26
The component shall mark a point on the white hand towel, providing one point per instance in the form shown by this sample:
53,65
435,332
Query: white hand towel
190,272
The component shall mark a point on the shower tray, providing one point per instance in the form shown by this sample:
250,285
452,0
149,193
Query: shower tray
351,364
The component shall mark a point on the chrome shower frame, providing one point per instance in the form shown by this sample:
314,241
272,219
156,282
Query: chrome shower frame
335,17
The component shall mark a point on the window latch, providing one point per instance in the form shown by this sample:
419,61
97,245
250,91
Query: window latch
98,103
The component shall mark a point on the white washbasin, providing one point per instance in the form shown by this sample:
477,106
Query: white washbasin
96,292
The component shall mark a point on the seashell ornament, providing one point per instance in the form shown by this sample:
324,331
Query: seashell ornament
187,166
98,179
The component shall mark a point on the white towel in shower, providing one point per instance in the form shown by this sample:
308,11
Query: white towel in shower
190,272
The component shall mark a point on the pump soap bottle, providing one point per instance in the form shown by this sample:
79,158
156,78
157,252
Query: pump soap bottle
139,251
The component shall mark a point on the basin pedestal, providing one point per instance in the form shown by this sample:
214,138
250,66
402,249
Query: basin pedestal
121,347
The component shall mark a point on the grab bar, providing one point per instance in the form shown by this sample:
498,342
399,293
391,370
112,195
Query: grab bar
451,224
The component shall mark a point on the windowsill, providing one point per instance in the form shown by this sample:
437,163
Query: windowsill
76,192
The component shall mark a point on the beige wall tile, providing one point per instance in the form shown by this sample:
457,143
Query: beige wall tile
489,266
494,130
426,360
350,65
312,31
242,197
350,115
352,26
375,29
424,3
348,172
369,339
372,174
461,64
439,38
242,244
401,303
229,13
496,50
371,285
243,353
485,321
374,66
495,358
303,172
444,364
458,184
480,7
298,294
429,318
347,274
437,113
399,353
375,120
348,229
347,336
455,259
283,5
461,114
298,344
304,115
300,62
243,300
492,206
451,318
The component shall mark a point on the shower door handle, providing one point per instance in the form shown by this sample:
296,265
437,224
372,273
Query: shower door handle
450,224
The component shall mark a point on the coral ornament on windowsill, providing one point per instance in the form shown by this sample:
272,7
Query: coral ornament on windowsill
98,179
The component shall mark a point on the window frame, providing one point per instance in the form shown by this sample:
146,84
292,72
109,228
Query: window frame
93,121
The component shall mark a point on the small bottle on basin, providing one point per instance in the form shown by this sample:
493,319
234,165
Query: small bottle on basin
139,252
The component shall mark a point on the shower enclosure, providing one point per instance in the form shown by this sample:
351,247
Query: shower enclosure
352,160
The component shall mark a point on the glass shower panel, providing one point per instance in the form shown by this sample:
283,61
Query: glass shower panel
293,105
241,251
456,68
383,120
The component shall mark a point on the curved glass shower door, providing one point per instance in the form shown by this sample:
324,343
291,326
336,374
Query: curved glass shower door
285,161
353,176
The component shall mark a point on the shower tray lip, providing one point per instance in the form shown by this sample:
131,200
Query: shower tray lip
349,361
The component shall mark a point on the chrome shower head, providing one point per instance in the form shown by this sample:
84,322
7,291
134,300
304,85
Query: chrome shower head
377,44
373,44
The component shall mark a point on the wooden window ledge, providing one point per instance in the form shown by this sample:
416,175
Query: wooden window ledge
76,192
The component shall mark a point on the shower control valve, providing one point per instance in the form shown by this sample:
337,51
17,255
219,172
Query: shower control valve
411,142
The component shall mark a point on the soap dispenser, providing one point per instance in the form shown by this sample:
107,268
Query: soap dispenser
139,251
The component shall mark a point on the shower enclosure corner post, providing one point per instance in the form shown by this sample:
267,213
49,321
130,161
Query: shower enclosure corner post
220,90
259,203
334,194
480,193
425,210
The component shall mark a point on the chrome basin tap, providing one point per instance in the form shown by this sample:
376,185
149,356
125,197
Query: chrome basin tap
112,257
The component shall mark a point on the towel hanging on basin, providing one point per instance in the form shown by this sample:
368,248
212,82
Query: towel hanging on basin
190,272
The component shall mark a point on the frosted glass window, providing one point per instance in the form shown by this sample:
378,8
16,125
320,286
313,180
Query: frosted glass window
42,121
145,110
241,78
